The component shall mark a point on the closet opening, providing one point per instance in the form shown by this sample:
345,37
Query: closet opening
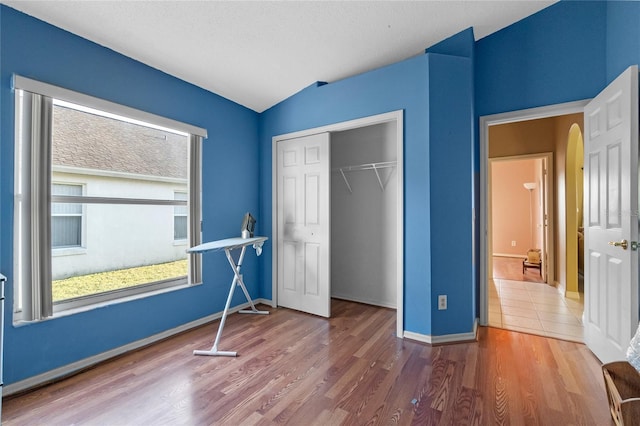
364,215
337,216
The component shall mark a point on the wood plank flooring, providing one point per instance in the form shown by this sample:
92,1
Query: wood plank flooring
299,369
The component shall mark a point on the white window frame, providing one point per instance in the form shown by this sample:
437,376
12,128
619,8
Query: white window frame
32,203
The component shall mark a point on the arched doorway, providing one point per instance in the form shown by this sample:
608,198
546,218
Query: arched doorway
574,185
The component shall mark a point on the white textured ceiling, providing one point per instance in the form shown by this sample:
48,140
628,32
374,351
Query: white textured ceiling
258,53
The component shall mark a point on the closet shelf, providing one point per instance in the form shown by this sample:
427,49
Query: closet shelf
367,166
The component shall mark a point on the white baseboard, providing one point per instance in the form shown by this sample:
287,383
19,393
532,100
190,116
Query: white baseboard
82,364
447,338
517,256
365,301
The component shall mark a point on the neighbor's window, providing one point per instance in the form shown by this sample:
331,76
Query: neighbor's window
66,219
140,194
180,218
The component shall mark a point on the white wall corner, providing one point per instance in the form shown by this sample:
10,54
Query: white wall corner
561,287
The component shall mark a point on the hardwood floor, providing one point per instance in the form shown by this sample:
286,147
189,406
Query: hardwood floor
299,369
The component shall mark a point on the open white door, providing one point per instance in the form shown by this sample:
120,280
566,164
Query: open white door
611,217
303,228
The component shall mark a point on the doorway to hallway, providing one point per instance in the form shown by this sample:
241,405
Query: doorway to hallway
514,300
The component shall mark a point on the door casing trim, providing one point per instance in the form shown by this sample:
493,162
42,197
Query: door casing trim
393,116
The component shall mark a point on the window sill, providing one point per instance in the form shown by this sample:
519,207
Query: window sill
104,303
68,251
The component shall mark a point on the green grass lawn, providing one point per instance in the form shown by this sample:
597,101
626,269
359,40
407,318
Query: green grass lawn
84,285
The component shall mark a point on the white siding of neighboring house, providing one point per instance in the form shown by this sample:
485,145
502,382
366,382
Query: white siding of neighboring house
121,236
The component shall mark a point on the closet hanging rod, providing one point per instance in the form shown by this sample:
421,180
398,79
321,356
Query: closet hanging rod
367,166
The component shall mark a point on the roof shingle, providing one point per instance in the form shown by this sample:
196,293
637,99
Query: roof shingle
86,140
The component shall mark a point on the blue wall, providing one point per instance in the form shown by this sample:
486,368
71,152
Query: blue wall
451,149
451,135
623,37
37,50
554,56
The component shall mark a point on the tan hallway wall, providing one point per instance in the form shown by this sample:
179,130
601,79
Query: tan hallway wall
510,206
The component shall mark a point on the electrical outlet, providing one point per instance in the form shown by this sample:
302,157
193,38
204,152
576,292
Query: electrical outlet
513,243
442,302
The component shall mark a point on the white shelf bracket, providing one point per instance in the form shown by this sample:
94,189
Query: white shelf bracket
375,169
346,181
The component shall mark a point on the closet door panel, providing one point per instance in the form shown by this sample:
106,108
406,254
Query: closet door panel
303,224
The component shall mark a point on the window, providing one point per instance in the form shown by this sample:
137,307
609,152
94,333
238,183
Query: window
180,218
66,219
116,231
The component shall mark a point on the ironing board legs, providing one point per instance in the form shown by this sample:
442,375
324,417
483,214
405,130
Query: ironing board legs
237,280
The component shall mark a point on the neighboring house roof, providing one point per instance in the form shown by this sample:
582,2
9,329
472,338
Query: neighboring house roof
89,141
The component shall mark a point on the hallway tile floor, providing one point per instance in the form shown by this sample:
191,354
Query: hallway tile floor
534,308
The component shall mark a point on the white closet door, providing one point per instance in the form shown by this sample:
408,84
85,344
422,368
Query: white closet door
303,223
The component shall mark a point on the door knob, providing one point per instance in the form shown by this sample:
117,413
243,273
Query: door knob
624,244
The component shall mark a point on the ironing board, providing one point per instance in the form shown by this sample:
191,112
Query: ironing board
228,245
